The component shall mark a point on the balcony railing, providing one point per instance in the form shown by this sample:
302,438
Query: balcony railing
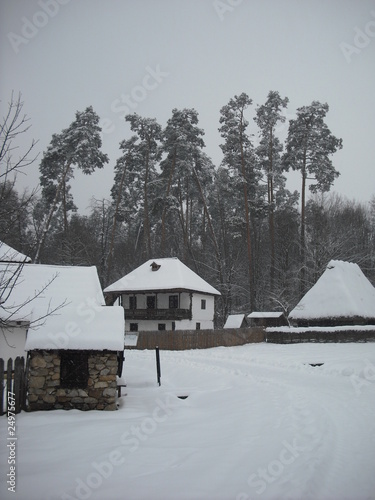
159,314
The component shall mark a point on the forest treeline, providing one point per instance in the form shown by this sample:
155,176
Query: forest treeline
236,224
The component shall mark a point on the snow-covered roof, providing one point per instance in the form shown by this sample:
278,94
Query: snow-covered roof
265,314
64,306
9,254
343,291
234,321
159,275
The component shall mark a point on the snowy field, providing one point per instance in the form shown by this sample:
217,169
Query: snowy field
259,422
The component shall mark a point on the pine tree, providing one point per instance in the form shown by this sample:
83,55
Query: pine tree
149,135
77,146
269,153
239,159
309,146
182,144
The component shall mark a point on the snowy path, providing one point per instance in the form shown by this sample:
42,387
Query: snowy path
259,422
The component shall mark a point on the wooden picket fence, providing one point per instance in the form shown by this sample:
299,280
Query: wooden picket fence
12,385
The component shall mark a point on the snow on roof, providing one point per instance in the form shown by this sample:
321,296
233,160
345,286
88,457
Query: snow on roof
9,254
82,327
342,291
265,314
161,274
234,321
65,307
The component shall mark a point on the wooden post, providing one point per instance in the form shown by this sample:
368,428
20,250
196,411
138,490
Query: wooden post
9,379
1,386
158,364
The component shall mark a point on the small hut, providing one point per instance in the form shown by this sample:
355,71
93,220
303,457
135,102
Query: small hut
266,319
342,296
74,343
236,321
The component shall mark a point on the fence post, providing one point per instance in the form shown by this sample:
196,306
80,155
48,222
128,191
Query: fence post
158,364
9,379
19,375
2,410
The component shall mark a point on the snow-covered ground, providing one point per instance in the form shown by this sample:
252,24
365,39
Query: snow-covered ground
259,422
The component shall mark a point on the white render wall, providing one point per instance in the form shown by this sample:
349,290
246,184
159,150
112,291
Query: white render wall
203,316
16,338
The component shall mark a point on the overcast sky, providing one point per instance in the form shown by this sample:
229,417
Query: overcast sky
150,56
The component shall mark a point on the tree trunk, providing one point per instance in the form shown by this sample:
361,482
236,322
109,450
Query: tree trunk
50,214
119,195
164,208
146,218
302,237
248,229
271,215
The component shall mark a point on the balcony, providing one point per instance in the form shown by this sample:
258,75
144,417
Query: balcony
158,314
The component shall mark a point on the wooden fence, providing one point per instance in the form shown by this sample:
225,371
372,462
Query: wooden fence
291,337
198,339
12,386
202,339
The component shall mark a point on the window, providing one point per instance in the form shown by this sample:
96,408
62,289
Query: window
151,302
173,302
132,302
203,304
133,327
74,369
173,326
197,326
161,327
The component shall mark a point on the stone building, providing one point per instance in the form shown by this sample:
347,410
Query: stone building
74,342
84,380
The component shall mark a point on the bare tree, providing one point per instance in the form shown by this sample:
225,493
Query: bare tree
14,160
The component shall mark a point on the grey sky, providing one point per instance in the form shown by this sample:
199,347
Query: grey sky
151,56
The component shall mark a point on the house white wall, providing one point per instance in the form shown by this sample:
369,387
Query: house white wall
12,343
202,316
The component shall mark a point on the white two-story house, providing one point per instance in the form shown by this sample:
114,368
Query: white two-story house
164,294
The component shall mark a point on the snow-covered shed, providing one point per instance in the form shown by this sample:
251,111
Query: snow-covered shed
235,321
341,296
74,342
164,294
267,318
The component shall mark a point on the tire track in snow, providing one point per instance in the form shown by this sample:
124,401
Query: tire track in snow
311,426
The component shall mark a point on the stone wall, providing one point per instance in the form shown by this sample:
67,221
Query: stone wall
45,393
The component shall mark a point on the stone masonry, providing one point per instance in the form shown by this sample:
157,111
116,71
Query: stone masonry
45,393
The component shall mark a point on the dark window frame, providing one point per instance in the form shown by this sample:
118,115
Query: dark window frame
151,302
133,327
173,302
132,302
203,303
74,369
161,327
